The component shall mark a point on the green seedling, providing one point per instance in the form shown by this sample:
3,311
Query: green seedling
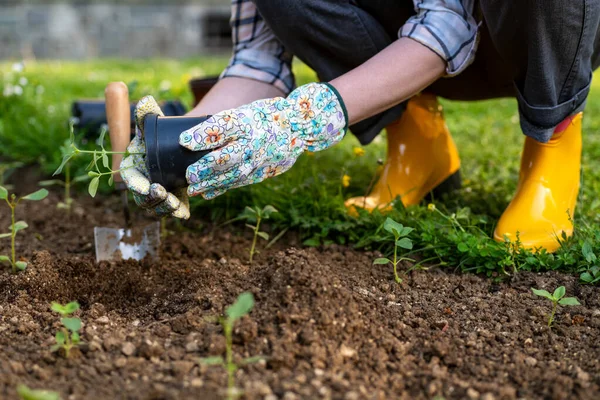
558,297
401,240
256,215
17,226
26,393
242,306
68,335
99,157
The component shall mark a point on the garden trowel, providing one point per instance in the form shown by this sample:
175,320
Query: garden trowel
129,242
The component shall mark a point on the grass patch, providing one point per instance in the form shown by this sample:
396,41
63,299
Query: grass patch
310,197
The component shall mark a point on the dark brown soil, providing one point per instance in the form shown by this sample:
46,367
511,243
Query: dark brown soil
330,323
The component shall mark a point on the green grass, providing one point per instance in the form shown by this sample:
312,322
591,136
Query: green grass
310,197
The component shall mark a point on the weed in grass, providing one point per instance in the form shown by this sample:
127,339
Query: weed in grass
94,170
68,335
17,226
401,240
558,297
25,393
256,215
242,306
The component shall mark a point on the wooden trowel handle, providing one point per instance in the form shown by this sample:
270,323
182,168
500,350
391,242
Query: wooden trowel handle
118,117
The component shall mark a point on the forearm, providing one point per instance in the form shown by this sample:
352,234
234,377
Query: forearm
232,92
395,74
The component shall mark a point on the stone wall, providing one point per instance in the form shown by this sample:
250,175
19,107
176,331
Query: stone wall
88,29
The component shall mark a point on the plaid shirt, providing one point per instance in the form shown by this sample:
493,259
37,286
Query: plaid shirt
447,27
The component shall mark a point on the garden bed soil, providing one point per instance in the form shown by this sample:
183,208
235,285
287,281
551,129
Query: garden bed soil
330,324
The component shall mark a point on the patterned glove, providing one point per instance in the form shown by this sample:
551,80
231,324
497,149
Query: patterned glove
151,196
263,139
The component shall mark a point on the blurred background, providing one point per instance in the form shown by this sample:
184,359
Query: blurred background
84,29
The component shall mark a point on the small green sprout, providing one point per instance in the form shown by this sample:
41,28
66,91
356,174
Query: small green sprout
26,393
17,226
558,297
242,306
256,215
400,233
70,150
68,335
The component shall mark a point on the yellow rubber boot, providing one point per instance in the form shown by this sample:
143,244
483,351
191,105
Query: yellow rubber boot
547,190
421,156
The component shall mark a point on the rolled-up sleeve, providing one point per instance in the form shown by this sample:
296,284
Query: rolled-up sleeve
257,53
448,28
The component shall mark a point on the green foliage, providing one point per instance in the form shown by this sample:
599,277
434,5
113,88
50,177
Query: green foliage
400,234
558,297
68,335
242,307
26,393
256,215
17,226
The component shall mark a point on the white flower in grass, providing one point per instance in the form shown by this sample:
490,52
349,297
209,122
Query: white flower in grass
18,90
23,81
164,86
8,90
18,67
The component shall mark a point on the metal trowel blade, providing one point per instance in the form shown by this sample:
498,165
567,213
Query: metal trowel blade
123,244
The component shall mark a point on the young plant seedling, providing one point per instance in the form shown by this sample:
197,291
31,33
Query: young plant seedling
17,226
94,170
242,306
67,183
256,215
400,233
558,297
68,335
25,393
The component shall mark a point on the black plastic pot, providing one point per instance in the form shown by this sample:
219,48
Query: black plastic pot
91,115
166,160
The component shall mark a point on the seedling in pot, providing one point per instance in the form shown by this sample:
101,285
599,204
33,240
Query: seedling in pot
242,306
68,335
558,297
25,393
17,226
67,183
401,240
256,215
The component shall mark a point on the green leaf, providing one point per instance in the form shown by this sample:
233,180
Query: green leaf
542,293
105,160
252,360
585,277
588,252
3,235
382,261
462,247
75,339
263,235
72,324
93,187
60,338
393,227
36,196
65,310
26,393
111,179
405,243
19,225
4,258
406,231
64,162
51,182
21,265
93,174
268,210
241,307
569,301
3,193
212,361
559,293
100,141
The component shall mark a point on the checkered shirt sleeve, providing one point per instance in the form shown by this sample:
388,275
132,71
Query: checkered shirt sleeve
448,28
257,53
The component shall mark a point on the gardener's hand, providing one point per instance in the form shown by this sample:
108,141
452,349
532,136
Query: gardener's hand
262,139
151,196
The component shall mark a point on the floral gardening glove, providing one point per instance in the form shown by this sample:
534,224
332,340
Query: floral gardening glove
151,196
263,139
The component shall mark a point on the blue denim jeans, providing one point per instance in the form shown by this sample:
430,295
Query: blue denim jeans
542,52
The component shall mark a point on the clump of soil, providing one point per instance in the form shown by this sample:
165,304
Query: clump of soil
328,322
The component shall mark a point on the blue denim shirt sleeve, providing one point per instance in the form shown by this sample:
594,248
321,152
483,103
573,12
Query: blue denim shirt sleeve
257,53
448,28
